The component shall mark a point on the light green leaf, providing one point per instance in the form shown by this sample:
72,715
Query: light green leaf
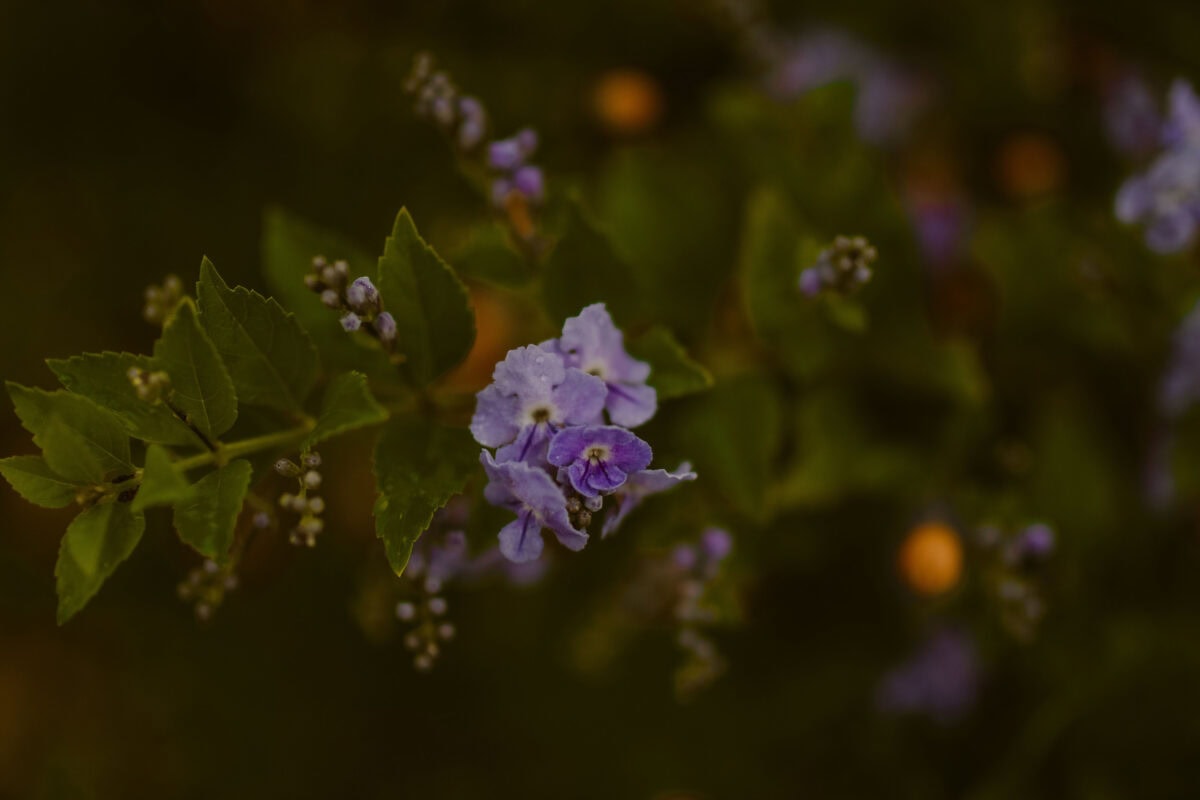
162,484
80,441
269,356
33,479
347,405
434,322
200,385
489,256
672,372
96,541
103,377
847,313
584,269
288,247
419,466
207,521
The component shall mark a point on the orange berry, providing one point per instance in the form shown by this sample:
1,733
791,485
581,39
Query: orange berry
627,101
930,559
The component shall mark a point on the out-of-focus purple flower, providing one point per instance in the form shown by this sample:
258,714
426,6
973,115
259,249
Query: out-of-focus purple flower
1131,116
1034,543
530,183
596,460
888,103
472,125
532,394
641,485
941,680
815,59
941,225
716,544
592,343
1180,387
1182,126
504,155
538,503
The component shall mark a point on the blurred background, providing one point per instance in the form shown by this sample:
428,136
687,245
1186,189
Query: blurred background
136,137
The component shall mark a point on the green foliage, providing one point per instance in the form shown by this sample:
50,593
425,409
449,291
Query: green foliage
288,246
584,268
434,322
488,256
200,385
672,372
269,356
97,540
347,405
162,484
80,441
33,479
207,521
419,466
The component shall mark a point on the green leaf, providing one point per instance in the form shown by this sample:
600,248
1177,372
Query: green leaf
419,466
488,256
347,405
847,313
207,521
200,385
434,322
33,479
103,377
162,484
672,372
288,247
96,541
80,441
583,269
269,356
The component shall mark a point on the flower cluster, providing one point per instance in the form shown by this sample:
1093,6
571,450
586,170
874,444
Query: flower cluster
556,462
941,680
308,506
1012,573
513,174
697,566
162,300
358,300
437,99
842,267
1166,196
205,587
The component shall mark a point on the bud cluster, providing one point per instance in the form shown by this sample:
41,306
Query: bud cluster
162,300
437,559
205,587
358,300
304,502
462,117
1015,561
696,567
842,267
151,387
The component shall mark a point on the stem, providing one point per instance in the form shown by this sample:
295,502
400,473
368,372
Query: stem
208,443
226,452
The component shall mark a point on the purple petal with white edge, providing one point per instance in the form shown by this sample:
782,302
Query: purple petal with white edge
579,398
598,459
594,344
641,485
495,419
521,539
515,484
631,404
530,373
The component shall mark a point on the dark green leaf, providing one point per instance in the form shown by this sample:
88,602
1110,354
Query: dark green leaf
347,405
207,521
97,540
434,322
419,466
33,479
584,269
80,441
672,372
200,385
488,256
162,484
103,377
269,356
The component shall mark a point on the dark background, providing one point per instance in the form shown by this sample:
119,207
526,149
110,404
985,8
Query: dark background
136,137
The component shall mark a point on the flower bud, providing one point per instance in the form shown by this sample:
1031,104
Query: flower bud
351,322
385,326
437,606
405,611
287,468
312,479
362,296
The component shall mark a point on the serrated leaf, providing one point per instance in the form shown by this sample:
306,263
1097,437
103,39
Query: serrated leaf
672,372
584,268
347,405
103,377
32,478
419,466
288,247
96,542
269,356
207,521
162,484
489,257
434,322
80,441
200,385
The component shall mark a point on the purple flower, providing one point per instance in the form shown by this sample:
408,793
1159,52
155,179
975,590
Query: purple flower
941,225
530,183
1034,543
1182,126
385,326
351,322
1131,116
472,123
505,155
592,343
810,282
641,485
538,503
716,544
532,395
1180,387
598,459
362,296
940,680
